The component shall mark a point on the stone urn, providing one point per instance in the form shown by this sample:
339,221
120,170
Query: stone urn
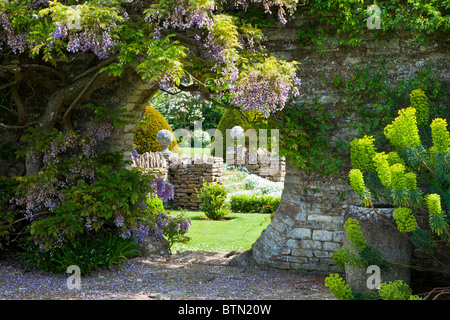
237,132
378,235
165,138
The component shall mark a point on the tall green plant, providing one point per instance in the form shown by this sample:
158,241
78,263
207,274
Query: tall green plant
414,176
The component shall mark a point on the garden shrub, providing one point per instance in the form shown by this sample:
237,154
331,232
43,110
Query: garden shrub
83,198
173,229
213,197
145,137
254,203
397,290
338,287
359,254
154,204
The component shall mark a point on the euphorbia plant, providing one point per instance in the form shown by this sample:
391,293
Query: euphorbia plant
414,176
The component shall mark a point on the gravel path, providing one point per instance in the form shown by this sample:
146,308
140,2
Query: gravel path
181,276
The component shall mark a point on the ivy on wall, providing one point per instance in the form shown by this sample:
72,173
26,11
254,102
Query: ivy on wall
347,21
372,95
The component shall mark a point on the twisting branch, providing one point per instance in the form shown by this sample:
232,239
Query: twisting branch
21,112
428,168
97,67
6,85
74,102
6,126
46,69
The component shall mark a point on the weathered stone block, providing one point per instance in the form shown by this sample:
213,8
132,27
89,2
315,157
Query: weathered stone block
300,233
322,235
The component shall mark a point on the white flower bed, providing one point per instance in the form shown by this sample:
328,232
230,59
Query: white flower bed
267,187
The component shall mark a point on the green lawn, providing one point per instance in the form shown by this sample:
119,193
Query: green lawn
238,233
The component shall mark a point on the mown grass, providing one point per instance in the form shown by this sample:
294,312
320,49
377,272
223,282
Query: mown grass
238,232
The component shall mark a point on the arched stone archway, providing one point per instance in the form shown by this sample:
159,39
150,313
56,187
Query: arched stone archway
307,227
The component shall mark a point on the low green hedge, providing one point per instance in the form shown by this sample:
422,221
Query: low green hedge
254,203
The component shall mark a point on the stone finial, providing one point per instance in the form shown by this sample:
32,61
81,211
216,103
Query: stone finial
237,132
165,138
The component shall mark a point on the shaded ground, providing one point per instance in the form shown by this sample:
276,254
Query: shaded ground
185,276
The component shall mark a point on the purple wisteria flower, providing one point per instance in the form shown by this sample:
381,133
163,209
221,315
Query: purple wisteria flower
60,31
184,225
135,154
163,190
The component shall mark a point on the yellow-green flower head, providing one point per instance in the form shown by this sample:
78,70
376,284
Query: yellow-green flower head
406,222
355,235
440,135
338,287
419,101
398,180
362,151
393,158
383,168
403,131
433,203
411,181
357,181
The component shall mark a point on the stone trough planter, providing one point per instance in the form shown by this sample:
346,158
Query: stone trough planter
381,236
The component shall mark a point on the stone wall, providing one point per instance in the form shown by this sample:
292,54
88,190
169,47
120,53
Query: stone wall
154,162
261,163
188,173
307,227
185,173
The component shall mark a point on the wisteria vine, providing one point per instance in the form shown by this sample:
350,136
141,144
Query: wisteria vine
231,49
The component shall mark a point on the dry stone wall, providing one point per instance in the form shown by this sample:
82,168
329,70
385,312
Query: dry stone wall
185,173
153,162
307,227
260,162
188,173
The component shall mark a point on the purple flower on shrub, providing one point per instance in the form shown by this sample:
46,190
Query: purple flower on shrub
134,154
119,221
60,31
140,231
164,190
184,225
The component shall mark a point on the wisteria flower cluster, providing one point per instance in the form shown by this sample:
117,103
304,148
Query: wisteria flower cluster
151,37
173,229
10,37
163,189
